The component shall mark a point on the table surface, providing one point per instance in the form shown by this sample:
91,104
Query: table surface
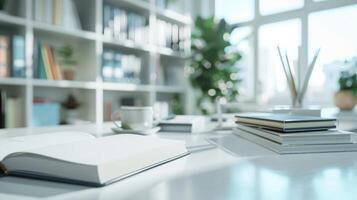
238,169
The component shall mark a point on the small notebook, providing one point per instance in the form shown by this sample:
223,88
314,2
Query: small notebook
286,122
185,123
80,158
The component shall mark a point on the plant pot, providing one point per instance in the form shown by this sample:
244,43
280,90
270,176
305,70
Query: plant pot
71,116
345,100
68,74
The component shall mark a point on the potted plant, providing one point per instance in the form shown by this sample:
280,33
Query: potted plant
67,62
71,106
212,69
346,97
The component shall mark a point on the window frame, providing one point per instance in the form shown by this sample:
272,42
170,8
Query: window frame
302,13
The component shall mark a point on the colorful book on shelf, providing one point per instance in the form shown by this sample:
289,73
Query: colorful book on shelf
18,56
40,70
47,64
47,67
4,56
80,158
57,12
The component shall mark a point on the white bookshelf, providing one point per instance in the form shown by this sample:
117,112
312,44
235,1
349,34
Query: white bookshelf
89,87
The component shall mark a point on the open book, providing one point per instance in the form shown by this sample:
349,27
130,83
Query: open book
80,158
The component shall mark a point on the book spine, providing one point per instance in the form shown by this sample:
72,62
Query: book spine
41,71
18,58
106,21
2,109
57,67
51,62
4,56
46,63
107,66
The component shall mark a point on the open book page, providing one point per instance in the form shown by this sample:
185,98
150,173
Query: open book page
25,143
105,149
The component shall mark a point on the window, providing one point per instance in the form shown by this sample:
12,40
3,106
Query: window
268,7
300,29
234,11
335,33
272,81
242,39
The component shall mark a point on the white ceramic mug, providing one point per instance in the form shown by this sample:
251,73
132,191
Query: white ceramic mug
136,117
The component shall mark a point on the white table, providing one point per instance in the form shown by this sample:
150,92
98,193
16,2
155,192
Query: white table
242,170
22,188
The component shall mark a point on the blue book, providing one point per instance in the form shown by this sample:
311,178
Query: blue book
41,71
18,56
45,114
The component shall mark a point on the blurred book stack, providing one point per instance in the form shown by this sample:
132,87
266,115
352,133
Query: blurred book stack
47,66
119,24
57,12
11,108
118,67
12,56
286,133
172,36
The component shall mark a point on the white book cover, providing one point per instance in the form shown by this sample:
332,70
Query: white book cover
309,137
291,149
79,158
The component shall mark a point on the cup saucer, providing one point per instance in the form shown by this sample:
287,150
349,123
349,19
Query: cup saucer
139,132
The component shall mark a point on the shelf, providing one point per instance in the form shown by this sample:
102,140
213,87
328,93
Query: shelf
129,87
132,4
169,89
173,16
64,84
13,81
12,20
169,52
127,44
49,28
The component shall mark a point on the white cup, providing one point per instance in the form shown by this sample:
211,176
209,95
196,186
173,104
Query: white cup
136,118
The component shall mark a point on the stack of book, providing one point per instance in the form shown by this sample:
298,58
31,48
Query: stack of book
185,124
120,24
47,66
57,12
12,56
284,133
118,67
172,36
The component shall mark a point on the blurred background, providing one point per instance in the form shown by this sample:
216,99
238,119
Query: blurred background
77,61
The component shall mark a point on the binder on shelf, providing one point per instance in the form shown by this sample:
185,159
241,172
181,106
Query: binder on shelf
18,57
118,67
120,24
4,56
57,12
